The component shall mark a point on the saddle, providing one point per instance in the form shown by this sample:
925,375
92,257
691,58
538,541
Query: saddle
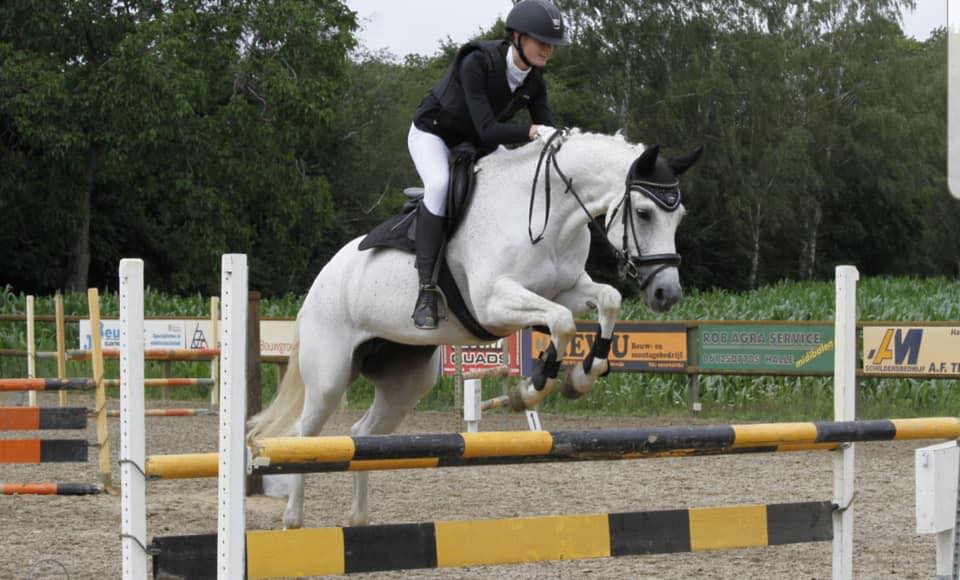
399,232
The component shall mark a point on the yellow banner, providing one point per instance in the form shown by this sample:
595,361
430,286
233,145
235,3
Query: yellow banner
635,347
911,350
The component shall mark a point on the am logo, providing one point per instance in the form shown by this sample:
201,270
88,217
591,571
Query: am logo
897,346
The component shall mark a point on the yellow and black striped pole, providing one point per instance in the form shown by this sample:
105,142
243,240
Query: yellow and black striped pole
321,551
383,452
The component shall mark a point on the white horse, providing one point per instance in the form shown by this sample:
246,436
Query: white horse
356,320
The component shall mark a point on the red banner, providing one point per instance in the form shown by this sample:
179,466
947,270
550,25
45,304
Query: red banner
484,356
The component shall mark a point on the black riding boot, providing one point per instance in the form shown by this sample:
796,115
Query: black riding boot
430,230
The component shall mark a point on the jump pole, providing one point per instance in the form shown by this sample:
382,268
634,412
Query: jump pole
133,480
844,402
471,404
231,520
31,351
61,346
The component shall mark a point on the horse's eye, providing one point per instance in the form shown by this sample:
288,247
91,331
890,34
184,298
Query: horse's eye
644,214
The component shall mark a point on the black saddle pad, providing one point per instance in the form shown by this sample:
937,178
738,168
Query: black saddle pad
398,232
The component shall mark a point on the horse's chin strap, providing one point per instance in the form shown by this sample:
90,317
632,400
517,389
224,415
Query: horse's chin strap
629,266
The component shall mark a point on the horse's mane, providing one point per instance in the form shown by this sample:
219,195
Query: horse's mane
529,152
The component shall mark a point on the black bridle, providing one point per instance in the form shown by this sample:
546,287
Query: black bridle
666,196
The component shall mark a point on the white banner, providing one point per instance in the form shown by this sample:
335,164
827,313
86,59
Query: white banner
276,336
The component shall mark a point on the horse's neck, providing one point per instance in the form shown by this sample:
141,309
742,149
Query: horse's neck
495,238
595,164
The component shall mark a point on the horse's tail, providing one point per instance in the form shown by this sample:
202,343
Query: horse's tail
280,418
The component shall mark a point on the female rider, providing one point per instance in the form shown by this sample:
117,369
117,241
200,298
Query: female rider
486,85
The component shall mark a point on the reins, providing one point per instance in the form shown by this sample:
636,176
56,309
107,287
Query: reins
549,152
629,266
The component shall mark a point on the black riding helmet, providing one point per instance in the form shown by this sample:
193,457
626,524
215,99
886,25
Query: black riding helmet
540,19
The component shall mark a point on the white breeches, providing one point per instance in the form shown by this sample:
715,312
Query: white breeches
432,160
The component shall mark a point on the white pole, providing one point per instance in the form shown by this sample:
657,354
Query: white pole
844,400
133,489
231,560
471,404
31,351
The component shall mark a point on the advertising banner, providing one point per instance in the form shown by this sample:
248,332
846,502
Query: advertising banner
169,334
276,336
773,348
636,347
484,356
915,350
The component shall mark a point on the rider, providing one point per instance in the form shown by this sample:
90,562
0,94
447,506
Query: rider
488,82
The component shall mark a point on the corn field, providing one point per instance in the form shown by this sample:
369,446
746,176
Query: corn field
781,398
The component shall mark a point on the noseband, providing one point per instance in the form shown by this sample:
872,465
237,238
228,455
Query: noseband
665,195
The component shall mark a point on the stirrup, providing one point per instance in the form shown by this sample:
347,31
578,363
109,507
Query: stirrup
439,305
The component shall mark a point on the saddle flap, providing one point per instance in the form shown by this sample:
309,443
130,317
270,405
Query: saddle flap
463,159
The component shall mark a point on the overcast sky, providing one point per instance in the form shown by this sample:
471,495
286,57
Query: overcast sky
418,26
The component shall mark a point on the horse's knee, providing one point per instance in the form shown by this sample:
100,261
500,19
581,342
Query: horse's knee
610,300
563,327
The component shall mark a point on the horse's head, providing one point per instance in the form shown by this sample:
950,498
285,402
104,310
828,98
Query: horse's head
643,222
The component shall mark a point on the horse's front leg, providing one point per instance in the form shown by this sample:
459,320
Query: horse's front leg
585,295
512,305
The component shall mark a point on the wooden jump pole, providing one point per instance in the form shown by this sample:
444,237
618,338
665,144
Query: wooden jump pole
215,343
31,351
61,344
254,380
100,398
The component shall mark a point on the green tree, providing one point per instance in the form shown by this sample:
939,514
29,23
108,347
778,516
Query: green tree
174,131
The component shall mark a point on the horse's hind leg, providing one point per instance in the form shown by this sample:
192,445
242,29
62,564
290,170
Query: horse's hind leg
328,371
402,375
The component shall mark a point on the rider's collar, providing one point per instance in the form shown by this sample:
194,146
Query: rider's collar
515,74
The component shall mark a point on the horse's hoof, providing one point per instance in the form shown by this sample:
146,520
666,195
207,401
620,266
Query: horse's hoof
568,390
516,400
292,521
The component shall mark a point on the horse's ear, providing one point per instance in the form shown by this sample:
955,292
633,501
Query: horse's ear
647,161
685,161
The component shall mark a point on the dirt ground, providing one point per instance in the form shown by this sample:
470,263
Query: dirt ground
78,537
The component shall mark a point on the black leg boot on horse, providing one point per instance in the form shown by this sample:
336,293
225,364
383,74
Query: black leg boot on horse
430,244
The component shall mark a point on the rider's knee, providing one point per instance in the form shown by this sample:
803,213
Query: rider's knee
435,195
